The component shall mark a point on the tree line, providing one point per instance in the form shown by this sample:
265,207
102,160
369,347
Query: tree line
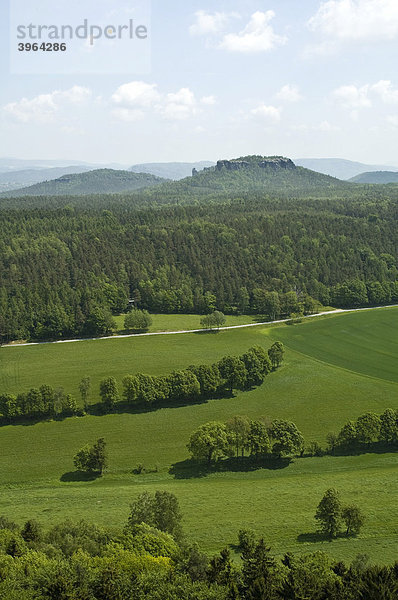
197,382
38,403
240,435
369,430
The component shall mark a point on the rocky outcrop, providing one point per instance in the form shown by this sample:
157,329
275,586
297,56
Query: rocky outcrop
232,165
264,162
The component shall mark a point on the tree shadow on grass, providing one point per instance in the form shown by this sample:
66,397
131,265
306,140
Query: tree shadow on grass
313,537
122,408
78,476
192,469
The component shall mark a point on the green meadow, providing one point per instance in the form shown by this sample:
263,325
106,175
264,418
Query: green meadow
164,322
336,368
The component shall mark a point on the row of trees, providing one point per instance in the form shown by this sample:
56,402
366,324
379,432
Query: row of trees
197,381
188,385
215,440
38,403
367,430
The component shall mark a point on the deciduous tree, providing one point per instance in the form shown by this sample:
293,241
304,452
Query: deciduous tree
209,441
328,513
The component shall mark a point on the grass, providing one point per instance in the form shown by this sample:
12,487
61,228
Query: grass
312,389
183,322
363,341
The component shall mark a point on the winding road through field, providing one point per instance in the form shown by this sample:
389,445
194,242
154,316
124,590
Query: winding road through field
114,337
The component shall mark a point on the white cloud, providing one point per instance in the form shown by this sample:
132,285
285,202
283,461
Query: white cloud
208,100
393,120
326,127
353,97
179,105
129,115
136,93
289,93
136,99
257,36
208,23
270,114
385,91
323,126
357,20
45,107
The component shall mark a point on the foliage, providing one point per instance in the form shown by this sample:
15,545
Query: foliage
209,441
233,372
214,319
238,428
57,255
258,441
92,459
328,513
109,393
287,439
137,320
37,403
276,353
353,518
160,510
84,389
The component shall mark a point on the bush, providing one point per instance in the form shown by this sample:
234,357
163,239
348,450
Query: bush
137,320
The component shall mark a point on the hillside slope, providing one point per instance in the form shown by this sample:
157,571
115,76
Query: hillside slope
379,177
13,180
105,181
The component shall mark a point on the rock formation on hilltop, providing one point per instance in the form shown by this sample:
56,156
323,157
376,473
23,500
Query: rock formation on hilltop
272,162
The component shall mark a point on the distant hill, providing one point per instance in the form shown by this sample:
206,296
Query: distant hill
105,181
12,180
250,173
8,164
339,167
376,177
171,170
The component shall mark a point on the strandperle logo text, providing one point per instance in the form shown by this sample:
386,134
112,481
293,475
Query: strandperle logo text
85,30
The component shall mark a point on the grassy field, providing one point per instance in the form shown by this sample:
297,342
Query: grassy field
319,387
183,322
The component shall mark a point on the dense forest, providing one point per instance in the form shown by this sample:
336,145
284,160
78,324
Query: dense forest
68,263
150,558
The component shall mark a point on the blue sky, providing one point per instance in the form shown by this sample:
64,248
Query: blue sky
302,79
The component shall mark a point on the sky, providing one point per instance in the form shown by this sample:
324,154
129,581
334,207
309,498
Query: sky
210,80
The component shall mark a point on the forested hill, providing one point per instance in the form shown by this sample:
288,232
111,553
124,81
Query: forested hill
252,173
376,177
99,181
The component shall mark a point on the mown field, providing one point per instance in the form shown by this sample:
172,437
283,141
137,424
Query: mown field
336,368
